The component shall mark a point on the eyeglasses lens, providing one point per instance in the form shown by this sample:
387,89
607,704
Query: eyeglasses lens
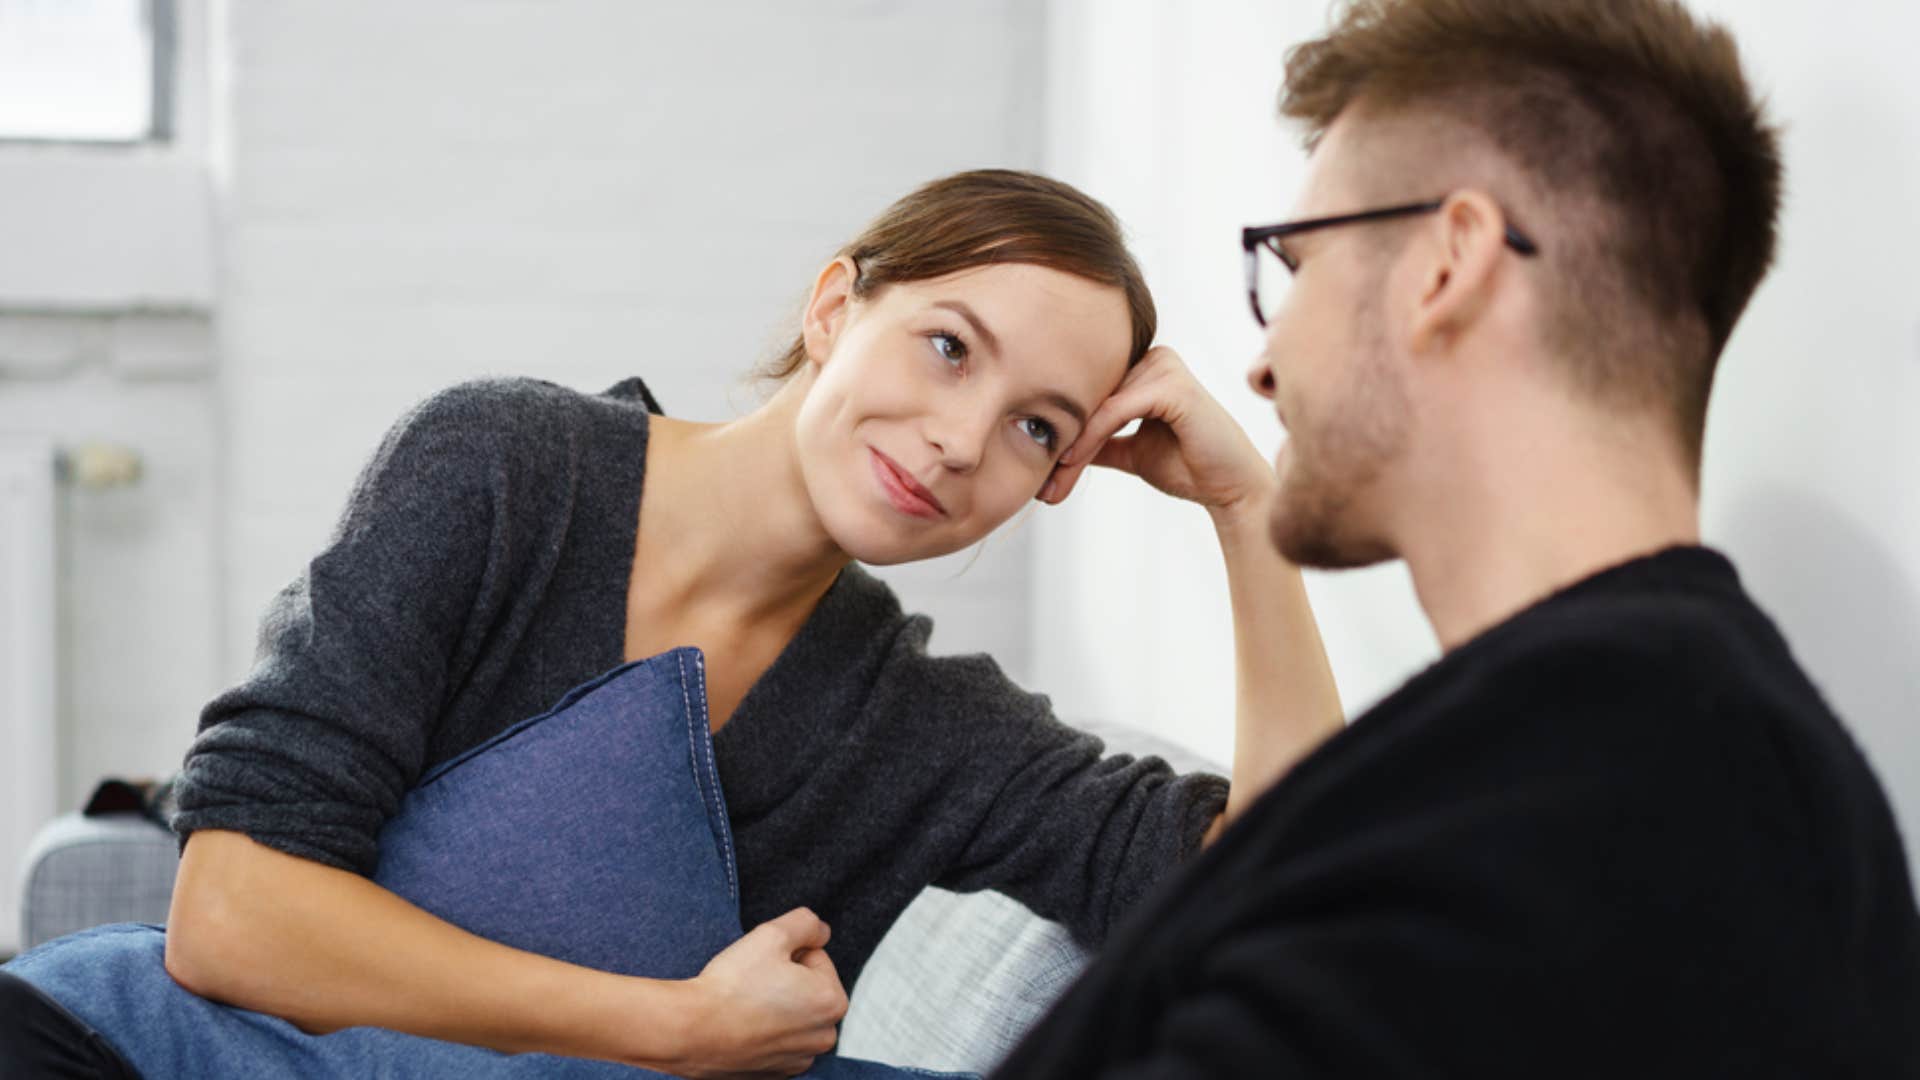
1268,280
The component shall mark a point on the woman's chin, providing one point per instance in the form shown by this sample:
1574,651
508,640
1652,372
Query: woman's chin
882,553
876,545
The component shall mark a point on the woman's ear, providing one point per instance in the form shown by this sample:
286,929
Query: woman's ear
827,309
1456,285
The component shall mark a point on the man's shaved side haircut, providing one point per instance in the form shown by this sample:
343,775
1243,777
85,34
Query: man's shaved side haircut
1657,173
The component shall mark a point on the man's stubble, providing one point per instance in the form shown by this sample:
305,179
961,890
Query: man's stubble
1338,449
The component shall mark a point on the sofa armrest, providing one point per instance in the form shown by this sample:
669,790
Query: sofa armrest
86,871
959,979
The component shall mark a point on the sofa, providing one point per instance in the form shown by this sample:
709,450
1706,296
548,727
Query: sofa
953,986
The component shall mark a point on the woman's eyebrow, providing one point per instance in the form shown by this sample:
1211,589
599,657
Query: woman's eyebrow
1052,397
959,307
1065,404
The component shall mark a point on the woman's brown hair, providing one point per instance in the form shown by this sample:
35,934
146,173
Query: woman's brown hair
985,217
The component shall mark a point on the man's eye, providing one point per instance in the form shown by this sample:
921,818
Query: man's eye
1287,257
949,346
1040,431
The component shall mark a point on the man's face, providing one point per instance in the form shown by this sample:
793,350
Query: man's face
1329,366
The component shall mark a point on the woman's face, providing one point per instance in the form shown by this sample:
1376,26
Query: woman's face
939,407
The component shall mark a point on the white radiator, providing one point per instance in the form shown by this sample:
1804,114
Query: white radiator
27,658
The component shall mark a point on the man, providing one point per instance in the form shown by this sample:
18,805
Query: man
1614,831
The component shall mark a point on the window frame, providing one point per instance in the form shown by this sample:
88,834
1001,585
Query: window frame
106,227
162,17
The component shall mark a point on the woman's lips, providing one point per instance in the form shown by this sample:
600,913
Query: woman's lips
903,491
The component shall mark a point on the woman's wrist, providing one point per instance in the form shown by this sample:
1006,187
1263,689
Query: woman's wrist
1244,519
649,1023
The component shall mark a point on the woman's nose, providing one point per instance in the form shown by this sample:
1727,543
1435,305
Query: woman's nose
960,439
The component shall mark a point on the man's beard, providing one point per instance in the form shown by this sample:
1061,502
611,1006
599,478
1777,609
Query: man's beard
1336,454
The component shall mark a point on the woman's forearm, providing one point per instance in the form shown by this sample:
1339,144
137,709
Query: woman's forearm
1285,699
1189,447
327,949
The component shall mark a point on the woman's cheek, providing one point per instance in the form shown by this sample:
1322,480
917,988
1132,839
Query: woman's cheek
1013,496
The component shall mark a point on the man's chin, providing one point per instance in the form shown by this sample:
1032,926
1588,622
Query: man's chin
1317,543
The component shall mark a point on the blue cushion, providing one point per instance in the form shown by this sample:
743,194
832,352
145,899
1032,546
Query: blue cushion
594,833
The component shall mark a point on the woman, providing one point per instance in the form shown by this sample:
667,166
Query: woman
976,347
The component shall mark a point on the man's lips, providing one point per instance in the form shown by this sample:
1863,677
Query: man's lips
906,493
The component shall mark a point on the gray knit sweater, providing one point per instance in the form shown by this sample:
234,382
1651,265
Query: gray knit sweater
480,571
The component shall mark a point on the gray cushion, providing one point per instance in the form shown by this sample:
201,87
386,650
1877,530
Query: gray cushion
957,981
960,978
85,871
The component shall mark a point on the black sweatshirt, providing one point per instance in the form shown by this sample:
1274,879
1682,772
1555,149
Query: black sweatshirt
1619,835
480,572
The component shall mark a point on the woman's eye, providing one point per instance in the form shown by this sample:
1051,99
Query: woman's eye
1040,431
950,347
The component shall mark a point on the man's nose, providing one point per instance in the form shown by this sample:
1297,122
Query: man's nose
1260,377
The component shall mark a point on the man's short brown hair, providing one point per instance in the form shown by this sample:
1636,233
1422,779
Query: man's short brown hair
1658,173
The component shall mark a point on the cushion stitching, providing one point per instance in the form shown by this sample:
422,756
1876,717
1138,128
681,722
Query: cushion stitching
693,749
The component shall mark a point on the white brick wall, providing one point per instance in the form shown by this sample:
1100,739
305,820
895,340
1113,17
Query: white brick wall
420,193
138,566
105,278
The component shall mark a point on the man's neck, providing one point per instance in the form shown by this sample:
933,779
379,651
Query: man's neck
1512,520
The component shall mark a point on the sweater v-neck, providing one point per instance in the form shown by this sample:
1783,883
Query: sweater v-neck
825,670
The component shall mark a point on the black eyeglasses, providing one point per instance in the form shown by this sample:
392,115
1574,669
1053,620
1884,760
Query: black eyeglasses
1256,239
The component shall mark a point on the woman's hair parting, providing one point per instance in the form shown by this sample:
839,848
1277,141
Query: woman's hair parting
987,217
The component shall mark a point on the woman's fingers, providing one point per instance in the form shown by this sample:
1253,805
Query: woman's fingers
1150,391
1118,453
800,929
1186,446
774,1000
1134,399
817,961
1115,453
1144,387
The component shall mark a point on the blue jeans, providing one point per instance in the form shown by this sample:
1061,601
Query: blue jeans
595,833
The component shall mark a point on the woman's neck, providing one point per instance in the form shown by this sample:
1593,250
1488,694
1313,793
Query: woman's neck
726,521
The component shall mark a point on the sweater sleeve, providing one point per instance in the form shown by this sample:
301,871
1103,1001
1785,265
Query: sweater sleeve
312,752
1076,835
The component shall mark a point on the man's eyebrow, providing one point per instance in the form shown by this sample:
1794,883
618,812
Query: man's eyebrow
959,307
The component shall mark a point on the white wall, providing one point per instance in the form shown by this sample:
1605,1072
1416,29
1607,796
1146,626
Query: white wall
1813,458
400,196
418,194
105,291
137,571
1167,111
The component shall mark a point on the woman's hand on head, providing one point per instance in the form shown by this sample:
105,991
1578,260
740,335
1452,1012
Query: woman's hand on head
1187,445
769,1003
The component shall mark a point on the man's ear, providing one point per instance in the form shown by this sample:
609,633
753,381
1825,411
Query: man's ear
1463,250
827,309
